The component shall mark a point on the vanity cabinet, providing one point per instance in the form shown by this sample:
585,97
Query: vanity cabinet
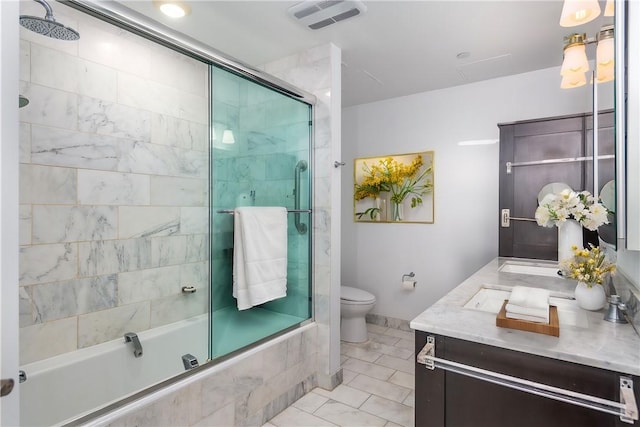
444,398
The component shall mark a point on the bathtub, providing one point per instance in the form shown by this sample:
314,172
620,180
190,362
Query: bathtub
63,387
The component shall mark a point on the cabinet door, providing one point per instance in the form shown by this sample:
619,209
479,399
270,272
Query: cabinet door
449,399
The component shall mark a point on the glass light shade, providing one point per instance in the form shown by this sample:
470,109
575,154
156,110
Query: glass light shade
605,73
605,52
173,9
571,80
578,12
227,137
575,60
609,8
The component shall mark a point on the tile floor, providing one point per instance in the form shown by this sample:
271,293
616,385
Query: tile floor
377,390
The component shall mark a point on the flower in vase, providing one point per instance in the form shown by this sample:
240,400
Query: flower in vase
555,209
587,265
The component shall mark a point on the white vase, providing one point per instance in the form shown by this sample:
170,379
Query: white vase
569,234
590,298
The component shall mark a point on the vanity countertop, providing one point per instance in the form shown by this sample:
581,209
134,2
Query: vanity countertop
601,344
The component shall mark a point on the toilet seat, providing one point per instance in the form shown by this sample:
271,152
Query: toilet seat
350,295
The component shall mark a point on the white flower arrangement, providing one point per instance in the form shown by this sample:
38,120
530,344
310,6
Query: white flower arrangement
555,209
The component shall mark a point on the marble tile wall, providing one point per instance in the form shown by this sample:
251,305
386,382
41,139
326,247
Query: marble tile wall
113,186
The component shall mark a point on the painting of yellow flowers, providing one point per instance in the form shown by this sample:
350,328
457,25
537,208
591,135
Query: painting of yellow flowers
394,188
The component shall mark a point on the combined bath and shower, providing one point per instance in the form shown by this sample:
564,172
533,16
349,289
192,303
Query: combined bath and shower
48,26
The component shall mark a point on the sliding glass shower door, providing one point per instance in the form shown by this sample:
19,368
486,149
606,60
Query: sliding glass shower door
260,156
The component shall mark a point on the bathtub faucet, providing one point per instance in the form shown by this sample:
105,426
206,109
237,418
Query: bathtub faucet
132,337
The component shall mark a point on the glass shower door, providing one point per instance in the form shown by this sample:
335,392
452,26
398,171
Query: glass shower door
260,156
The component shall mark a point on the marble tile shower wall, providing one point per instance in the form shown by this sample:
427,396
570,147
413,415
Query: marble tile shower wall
113,186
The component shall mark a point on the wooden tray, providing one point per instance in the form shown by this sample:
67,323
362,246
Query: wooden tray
551,328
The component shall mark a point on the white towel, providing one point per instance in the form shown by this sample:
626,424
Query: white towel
537,313
529,297
259,255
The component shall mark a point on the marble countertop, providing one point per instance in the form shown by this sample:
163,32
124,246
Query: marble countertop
601,344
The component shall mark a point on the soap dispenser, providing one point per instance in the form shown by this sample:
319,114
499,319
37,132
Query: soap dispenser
615,311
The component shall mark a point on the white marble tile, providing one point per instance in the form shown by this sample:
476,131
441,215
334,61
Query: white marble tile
380,388
310,402
25,225
167,130
180,71
195,274
148,284
348,376
224,417
410,336
108,118
49,107
147,221
61,147
25,60
162,160
115,48
70,298
396,363
345,394
141,93
194,220
344,415
25,308
294,417
383,339
173,191
44,340
389,410
44,184
370,369
113,256
48,263
410,400
57,224
168,250
106,325
25,143
359,353
391,350
112,188
178,307
403,379
409,345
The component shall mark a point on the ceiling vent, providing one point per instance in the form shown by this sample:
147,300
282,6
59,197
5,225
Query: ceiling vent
317,14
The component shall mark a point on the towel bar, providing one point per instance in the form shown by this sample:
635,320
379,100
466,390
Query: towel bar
230,211
627,409
510,165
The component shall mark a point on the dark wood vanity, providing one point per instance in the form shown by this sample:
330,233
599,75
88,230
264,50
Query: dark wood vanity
445,398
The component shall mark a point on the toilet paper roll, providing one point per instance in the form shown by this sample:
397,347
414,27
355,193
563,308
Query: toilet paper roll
408,285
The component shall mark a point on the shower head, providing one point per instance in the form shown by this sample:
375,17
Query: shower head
48,26
23,101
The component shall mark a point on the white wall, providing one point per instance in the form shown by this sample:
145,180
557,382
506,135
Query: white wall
465,234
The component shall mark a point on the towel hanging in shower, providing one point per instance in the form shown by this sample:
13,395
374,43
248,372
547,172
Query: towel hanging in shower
259,255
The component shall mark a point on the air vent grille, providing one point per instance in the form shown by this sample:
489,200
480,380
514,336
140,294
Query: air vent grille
319,14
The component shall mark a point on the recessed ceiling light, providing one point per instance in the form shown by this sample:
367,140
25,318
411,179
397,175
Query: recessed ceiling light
173,9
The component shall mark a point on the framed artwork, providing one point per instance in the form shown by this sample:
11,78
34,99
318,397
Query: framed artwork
394,188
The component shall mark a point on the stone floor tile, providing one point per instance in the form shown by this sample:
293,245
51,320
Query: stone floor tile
310,402
370,369
381,388
396,363
344,394
361,353
389,410
344,415
376,328
410,400
294,417
408,344
348,375
383,339
403,379
400,334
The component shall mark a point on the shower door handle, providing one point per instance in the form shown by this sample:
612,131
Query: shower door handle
301,166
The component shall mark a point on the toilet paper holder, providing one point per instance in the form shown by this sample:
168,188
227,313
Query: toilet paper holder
404,276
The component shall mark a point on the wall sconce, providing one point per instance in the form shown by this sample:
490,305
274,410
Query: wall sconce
578,12
575,63
227,137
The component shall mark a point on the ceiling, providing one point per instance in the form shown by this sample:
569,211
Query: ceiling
395,48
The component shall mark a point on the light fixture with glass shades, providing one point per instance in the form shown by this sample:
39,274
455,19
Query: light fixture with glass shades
575,63
578,12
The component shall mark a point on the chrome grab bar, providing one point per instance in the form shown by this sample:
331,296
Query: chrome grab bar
230,211
627,409
510,165
301,166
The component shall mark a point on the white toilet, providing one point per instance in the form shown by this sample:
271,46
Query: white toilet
354,305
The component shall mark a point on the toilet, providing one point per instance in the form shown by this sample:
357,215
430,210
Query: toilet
354,305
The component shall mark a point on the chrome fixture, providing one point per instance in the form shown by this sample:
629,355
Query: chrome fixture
132,337
189,361
337,164
23,101
615,312
22,376
48,26
189,289
301,166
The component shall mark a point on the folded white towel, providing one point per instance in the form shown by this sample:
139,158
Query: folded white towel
540,313
259,255
527,318
529,297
